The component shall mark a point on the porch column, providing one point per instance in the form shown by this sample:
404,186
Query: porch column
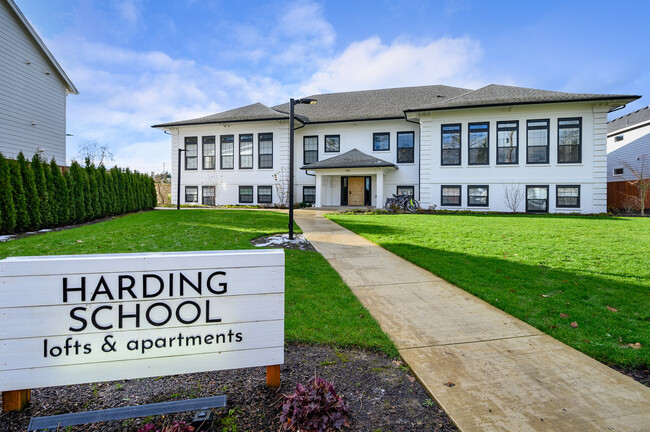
380,189
319,187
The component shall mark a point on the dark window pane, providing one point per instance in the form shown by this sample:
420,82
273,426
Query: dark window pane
569,137
191,153
537,198
451,195
191,194
477,195
478,143
245,194
246,151
310,146
332,143
381,141
264,194
405,147
568,196
208,195
209,152
227,152
309,194
507,142
451,157
265,142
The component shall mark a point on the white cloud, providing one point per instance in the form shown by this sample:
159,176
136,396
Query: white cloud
371,64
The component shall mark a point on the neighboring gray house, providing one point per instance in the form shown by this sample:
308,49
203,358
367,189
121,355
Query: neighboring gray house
33,90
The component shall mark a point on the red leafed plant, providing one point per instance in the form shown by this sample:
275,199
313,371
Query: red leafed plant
175,427
315,407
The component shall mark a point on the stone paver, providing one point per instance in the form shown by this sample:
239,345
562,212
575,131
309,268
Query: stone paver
507,375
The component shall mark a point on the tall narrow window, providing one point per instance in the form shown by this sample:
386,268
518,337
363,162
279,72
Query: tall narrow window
508,142
450,195
246,194
537,199
332,143
310,149
208,195
381,141
451,141
209,152
537,141
479,143
569,137
246,151
568,196
227,152
264,194
405,147
265,150
309,194
191,194
477,196
191,153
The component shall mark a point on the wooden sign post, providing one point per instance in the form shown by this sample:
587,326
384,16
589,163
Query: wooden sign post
88,318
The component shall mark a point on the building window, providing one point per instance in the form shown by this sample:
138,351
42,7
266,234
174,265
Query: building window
227,152
406,190
246,194
208,195
451,140
569,137
537,199
310,149
381,141
264,194
265,150
618,138
332,143
568,196
450,195
405,147
191,194
246,151
537,137
477,196
508,142
618,171
479,143
309,194
209,152
191,153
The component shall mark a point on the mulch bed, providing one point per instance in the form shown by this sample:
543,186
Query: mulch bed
382,393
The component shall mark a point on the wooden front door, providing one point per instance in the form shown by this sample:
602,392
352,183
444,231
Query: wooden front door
356,191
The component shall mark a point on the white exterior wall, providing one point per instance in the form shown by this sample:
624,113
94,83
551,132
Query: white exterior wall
589,174
32,95
635,143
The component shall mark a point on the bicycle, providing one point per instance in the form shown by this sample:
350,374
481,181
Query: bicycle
406,202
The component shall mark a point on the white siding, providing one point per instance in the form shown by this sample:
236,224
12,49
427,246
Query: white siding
32,95
634,144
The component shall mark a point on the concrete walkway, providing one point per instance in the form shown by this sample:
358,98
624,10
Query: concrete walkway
508,375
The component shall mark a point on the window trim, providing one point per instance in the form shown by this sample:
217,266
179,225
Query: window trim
303,194
203,188
259,150
557,190
221,156
548,140
397,188
619,138
487,198
412,133
325,143
614,173
203,144
516,129
252,194
197,194
460,144
304,151
548,196
259,201
469,149
196,143
579,139
460,196
252,155
375,134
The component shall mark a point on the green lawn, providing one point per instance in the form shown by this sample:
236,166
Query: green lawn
537,268
320,308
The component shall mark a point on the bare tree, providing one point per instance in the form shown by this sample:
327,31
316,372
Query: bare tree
94,153
513,195
641,173
281,179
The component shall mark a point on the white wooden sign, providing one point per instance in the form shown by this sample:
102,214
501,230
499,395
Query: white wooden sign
86,318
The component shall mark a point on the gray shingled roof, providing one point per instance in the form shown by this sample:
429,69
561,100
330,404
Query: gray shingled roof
369,104
352,159
630,119
256,111
495,94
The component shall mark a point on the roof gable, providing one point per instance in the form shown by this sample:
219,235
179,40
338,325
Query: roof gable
351,159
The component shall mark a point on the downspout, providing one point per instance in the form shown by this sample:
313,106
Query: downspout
419,154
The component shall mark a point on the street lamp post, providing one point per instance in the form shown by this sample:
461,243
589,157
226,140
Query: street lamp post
178,186
293,103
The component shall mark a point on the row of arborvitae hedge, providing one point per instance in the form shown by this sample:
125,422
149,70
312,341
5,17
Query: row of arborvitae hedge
39,195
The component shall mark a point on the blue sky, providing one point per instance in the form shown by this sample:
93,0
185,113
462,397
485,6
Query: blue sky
139,62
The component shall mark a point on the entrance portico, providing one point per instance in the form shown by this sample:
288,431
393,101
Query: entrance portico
351,179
